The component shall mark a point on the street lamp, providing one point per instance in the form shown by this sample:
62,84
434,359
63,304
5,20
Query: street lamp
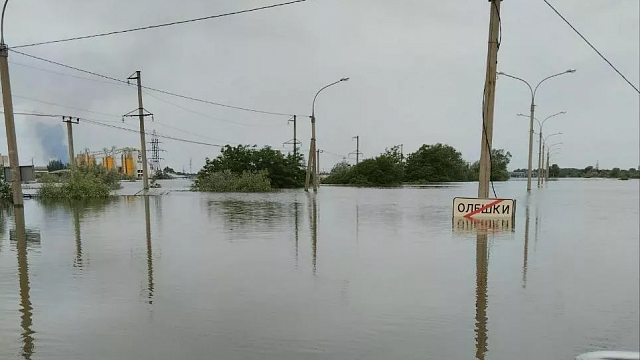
312,165
9,123
532,112
540,151
542,148
549,152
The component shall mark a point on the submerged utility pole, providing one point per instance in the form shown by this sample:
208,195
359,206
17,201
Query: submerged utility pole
143,144
7,102
489,101
70,121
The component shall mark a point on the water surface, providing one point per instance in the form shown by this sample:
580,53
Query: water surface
346,274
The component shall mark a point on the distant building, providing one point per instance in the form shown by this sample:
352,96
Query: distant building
4,161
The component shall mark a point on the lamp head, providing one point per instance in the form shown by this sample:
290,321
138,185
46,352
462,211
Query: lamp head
570,71
344,79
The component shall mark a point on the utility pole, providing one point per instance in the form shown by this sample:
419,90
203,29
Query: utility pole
489,101
318,152
143,144
312,159
295,141
70,121
12,142
402,153
357,152
190,168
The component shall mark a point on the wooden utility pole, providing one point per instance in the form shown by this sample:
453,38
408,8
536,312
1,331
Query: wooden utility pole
357,152
311,165
70,121
318,152
143,143
295,141
489,101
12,142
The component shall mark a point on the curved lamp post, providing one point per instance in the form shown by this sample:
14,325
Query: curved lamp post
312,166
540,151
532,112
550,151
9,123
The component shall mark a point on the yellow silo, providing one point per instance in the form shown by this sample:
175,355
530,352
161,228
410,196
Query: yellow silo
109,162
128,165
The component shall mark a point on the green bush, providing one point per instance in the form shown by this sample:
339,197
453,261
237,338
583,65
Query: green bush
81,182
383,170
227,181
283,171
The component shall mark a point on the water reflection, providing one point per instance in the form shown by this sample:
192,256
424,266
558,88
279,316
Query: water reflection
482,265
26,309
76,228
482,226
314,232
147,220
525,261
296,229
250,214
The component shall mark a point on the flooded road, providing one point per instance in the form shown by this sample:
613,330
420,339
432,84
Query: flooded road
347,274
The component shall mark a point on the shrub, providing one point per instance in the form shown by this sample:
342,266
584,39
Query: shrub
226,181
81,182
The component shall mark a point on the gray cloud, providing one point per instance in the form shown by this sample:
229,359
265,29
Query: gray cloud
417,70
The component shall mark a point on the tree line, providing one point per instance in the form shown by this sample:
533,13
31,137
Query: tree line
591,172
428,164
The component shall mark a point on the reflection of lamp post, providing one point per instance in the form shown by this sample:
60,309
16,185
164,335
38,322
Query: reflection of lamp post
531,116
312,146
9,123
540,151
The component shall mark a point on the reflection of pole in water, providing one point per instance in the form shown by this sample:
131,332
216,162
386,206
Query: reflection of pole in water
76,228
482,265
23,273
357,223
295,214
147,218
525,262
314,234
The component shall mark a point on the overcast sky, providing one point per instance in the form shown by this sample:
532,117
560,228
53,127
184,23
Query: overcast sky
417,70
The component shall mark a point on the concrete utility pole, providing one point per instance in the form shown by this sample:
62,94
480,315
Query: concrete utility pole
295,141
357,152
532,114
143,144
70,121
7,102
311,166
489,101
318,152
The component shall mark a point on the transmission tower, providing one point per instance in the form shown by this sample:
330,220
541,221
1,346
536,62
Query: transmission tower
154,162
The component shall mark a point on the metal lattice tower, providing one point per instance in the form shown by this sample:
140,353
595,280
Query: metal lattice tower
154,162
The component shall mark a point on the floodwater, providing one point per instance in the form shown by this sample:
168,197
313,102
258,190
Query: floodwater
347,274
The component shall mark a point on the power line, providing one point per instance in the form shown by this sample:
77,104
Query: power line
64,106
63,74
196,112
161,25
593,47
152,89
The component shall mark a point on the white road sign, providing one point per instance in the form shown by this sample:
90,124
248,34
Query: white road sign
472,208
